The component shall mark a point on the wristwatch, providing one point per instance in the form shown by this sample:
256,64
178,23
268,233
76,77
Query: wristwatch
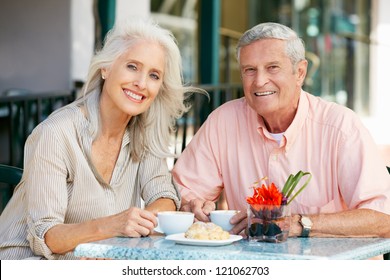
306,225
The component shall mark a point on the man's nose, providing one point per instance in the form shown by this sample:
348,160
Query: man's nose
261,79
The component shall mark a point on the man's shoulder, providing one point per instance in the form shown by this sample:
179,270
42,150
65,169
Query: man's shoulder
331,113
229,115
236,105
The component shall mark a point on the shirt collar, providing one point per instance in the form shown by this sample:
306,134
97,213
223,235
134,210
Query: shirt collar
126,137
292,131
299,120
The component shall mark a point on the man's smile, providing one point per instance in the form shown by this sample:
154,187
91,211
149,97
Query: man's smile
264,93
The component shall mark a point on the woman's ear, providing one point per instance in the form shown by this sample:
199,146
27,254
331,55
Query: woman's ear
103,73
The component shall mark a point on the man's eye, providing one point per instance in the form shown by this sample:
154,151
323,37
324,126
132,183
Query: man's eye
249,71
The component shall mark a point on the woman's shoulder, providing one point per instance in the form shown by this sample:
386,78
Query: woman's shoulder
64,116
64,120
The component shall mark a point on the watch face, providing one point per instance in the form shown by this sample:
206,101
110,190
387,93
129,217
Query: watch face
306,221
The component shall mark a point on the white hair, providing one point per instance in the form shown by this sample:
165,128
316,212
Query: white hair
295,48
150,131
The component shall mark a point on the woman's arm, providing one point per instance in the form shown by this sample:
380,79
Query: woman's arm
161,204
133,222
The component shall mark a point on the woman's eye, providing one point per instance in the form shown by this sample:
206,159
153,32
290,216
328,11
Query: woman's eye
132,67
155,76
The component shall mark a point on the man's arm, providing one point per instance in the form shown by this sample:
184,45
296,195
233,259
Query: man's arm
350,223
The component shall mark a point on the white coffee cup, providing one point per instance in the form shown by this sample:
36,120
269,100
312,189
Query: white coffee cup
222,218
172,222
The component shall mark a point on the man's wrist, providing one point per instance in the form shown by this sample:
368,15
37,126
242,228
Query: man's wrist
306,224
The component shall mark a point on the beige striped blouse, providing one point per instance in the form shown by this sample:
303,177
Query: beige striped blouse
60,185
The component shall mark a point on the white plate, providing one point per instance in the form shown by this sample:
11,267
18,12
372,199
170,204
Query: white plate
180,239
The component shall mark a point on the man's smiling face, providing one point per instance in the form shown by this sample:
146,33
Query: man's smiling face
271,85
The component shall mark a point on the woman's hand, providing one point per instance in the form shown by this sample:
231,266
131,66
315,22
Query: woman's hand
134,222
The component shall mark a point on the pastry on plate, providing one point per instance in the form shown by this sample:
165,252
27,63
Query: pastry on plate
206,231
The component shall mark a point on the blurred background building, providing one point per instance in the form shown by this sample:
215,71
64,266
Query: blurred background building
46,46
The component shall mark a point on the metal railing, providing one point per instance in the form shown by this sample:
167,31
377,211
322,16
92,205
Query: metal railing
20,112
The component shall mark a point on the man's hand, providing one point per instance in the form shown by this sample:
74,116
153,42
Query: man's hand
200,208
240,222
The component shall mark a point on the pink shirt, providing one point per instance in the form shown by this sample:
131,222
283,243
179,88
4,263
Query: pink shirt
233,149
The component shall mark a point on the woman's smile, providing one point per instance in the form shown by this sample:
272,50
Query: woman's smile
136,97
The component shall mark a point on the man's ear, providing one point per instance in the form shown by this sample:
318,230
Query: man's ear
301,71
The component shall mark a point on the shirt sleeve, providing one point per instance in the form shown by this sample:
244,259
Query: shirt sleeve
156,181
46,190
197,171
366,182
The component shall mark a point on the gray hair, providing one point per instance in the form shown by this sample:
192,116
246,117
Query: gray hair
295,48
150,131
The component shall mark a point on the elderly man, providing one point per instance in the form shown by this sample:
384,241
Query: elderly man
278,129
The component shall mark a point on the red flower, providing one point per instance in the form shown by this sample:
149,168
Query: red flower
265,196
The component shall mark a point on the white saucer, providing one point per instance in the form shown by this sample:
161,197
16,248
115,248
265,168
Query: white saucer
180,239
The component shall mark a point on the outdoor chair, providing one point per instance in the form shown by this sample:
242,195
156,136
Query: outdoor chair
11,176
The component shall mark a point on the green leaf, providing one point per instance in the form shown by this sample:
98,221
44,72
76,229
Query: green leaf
287,184
292,182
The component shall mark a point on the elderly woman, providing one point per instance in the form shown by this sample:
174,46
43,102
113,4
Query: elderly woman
91,166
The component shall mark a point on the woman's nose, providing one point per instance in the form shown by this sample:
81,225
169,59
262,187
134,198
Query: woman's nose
140,81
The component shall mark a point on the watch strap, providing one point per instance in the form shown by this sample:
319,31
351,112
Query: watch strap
305,232
305,228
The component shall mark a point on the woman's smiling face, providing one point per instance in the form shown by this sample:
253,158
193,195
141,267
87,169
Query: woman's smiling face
134,79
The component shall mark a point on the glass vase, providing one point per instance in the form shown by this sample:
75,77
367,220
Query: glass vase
268,223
